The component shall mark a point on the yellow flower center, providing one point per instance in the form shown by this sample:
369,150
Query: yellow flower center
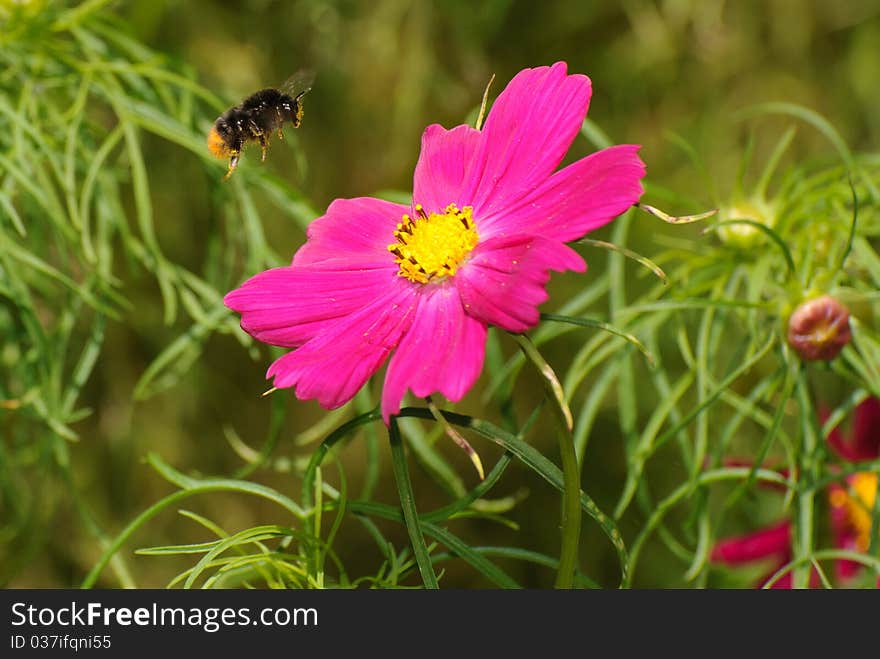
430,248
858,505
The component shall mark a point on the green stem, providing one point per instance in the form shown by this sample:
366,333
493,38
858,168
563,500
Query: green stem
806,494
571,490
826,555
408,505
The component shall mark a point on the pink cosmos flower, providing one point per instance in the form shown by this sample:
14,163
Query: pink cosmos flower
489,220
862,442
849,504
771,543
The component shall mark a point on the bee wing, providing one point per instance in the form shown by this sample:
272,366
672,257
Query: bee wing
299,83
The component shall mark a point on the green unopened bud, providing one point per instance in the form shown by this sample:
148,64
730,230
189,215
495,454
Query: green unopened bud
744,235
818,329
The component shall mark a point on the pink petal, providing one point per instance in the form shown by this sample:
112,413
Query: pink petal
841,446
334,365
289,306
504,282
577,199
846,569
442,351
443,164
526,135
361,227
785,582
770,541
866,430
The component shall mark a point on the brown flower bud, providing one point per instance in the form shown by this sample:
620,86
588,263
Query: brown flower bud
819,329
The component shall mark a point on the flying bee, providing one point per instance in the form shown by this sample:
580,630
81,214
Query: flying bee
257,117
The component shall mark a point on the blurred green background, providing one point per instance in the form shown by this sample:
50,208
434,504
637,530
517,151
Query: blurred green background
385,70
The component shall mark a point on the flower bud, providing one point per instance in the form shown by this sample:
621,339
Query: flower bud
818,329
745,236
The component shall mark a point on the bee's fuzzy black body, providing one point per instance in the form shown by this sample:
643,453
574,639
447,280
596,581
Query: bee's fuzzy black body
254,120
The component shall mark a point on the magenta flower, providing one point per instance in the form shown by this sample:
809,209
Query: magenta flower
852,502
772,543
850,506
421,284
863,441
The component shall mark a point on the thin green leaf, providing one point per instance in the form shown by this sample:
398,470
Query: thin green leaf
408,505
533,459
628,253
598,324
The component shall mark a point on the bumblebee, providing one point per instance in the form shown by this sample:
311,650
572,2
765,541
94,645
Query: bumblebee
257,117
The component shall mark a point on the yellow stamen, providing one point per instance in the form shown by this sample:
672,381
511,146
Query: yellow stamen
858,506
430,248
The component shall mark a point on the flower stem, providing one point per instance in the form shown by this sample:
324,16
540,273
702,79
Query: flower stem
805,498
408,504
571,490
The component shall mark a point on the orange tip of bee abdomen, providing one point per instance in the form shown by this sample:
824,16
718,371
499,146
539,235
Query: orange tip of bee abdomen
216,145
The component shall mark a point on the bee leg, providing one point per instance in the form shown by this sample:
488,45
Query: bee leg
297,114
264,145
233,161
280,118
